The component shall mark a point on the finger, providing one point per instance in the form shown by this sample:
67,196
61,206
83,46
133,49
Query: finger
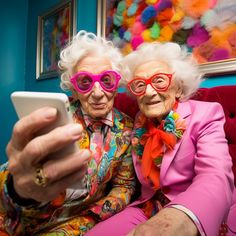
26,127
38,149
50,192
54,170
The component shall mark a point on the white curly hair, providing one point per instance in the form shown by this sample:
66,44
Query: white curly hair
182,63
83,44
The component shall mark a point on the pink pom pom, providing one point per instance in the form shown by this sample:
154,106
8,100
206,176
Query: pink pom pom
197,36
136,41
219,54
212,3
137,28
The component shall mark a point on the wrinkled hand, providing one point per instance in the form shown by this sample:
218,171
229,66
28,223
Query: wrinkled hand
169,221
26,152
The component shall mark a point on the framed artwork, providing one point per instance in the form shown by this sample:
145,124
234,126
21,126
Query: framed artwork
55,28
206,28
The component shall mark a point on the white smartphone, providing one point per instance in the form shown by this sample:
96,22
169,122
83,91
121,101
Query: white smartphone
27,102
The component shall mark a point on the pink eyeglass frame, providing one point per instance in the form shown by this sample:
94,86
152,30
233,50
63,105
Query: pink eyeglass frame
149,81
95,78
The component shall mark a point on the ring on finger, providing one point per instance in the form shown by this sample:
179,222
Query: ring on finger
40,179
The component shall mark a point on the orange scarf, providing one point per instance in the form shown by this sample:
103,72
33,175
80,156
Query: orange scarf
151,142
155,141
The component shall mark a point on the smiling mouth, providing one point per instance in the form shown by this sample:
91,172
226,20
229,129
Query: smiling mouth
152,103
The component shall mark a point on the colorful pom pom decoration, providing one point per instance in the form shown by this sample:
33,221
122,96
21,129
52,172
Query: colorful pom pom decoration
206,27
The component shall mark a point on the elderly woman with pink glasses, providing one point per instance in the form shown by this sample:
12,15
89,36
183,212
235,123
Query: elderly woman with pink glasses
179,152
50,205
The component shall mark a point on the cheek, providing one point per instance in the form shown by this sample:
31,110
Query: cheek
110,100
171,96
83,98
139,101
168,100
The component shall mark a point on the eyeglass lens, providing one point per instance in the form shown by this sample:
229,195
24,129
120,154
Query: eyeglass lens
85,81
159,82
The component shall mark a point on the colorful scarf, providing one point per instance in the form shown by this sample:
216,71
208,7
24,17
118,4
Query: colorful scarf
152,141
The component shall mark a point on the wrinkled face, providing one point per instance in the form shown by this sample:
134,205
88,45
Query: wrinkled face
152,103
97,102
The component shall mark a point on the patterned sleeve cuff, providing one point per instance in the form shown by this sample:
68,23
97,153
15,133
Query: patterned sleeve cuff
10,209
191,216
16,199
100,212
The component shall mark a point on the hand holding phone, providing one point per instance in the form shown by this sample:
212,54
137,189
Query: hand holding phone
27,102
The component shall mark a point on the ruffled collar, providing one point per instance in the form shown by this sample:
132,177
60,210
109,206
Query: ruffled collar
151,142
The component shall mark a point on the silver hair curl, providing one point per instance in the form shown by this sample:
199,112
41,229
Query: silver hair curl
83,44
185,68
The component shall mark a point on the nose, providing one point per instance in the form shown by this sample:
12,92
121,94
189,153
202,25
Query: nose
97,90
150,91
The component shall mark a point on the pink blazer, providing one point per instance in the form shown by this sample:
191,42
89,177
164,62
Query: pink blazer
197,173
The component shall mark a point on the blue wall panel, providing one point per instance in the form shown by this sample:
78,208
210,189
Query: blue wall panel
13,20
86,19
219,80
37,8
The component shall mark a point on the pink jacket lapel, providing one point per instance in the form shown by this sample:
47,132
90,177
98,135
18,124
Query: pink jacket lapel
184,110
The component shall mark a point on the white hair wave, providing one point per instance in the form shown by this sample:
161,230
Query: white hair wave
82,45
182,63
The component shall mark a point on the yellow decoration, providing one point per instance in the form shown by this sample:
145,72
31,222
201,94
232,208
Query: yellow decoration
146,34
126,49
166,34
84,141
176,115
179,15
151,2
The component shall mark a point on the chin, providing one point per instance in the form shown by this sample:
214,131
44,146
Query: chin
152,114
98,114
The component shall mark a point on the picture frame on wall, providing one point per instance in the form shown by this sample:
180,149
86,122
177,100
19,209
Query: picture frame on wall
201,27
56,27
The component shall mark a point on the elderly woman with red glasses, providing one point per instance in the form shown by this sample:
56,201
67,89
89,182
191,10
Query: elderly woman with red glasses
180,152
47,204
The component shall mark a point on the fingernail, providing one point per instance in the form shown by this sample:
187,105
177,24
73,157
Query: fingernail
75,129
87,154
50,112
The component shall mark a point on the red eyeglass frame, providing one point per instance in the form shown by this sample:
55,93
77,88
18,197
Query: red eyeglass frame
149,81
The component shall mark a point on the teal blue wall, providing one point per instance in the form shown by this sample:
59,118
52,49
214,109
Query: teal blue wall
86,19
18,54
219,80
13,27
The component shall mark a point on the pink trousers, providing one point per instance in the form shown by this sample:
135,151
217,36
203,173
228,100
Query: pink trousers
119,224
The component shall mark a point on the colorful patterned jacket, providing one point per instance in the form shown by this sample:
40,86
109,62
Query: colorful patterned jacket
110,187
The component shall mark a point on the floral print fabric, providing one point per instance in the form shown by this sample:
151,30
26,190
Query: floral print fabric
110,184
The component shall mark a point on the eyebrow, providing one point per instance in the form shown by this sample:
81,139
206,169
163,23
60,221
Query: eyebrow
148,76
